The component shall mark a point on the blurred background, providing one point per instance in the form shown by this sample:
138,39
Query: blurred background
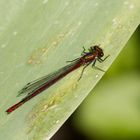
112,109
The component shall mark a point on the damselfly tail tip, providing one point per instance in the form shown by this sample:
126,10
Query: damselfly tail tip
8,111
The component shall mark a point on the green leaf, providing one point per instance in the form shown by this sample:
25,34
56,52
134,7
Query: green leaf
38,37
112,114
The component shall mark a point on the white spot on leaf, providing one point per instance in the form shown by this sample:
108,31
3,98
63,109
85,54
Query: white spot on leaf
45,1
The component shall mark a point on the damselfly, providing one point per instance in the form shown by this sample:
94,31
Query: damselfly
95,53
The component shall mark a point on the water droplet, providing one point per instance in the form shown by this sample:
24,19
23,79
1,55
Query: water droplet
96,4
97,76
3,45
15,33
131,6
66,3
79,23
57,121
126,3
75,95
45,1
114,21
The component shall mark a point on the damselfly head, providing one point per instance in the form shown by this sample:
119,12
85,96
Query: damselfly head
99,51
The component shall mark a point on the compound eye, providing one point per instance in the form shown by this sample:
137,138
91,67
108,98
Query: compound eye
95,47
101,54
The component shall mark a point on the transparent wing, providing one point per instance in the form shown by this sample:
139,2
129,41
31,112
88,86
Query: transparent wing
36,84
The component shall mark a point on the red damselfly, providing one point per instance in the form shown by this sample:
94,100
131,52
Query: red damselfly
95,53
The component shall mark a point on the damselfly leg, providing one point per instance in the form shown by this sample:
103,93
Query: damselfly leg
83,70
102,60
